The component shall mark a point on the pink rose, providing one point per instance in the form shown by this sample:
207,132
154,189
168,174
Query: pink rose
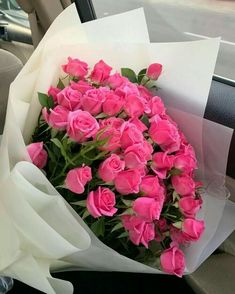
130,135
144,92
165,134
80,86
116,80
113,104
162,163
193,229
151,187
37,154
178,236
137,155
190,206
148,208
184,185
112,135
154,71
53,93
69,98
110,167
113,122
185,160
156,106
143,170
134,106
173,261
127,182
185,163
45,114
81,125
92,100
126,89
58,118
162,224
101,202
160,228
100,72
148,149
139,230
138,123
77,178
75,67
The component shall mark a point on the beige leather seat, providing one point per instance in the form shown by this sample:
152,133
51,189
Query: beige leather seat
41,14
10,65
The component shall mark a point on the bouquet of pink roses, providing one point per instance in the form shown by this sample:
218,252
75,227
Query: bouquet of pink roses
106,142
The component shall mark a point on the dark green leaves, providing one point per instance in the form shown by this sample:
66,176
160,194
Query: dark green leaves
60,85
130,74
45,100
98,227
141,74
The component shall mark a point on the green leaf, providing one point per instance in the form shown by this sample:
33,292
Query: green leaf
174,171
56,142
141,74
51,154
85,214
81,203
128,211
118,226
43,99
175,196
123,235
54,133
60,85
145,120
51,102
98,227
130,74
177,225
101,115
150,84
128,203
62,150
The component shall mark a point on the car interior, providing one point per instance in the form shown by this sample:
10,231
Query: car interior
22,25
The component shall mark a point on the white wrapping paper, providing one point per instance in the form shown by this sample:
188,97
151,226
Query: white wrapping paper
39,229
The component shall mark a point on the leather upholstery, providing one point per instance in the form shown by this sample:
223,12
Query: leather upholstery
10,65
41,14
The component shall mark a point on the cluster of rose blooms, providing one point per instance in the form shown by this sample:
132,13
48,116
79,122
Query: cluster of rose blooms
145,156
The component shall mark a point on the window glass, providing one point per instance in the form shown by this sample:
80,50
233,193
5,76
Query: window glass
14,23
182,20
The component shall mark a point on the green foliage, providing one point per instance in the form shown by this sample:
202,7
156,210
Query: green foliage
141,74
118,226
45,100
60,85
98,227
130,74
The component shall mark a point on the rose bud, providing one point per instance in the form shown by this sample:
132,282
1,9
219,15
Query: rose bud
154,71
77,178
75,67
37,154
173,261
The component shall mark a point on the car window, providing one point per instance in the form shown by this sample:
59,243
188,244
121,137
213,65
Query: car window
182,20
14,22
